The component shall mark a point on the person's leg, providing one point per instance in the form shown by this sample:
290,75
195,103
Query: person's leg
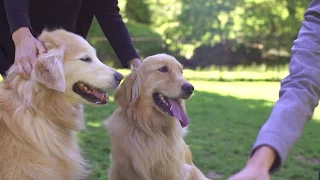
7,48
6,58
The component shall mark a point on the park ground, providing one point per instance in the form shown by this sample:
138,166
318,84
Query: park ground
225,119
229,105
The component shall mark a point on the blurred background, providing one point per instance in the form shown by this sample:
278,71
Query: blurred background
235,53
252,36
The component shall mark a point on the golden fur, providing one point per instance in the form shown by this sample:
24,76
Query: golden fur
39,117
146,143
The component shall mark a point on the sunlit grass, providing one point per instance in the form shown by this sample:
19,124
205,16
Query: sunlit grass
252,73
225,119
223,114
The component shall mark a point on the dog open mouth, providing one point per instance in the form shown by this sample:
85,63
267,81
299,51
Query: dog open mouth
171,107
90,93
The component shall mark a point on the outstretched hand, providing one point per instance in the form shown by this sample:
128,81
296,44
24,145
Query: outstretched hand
258,166
251,173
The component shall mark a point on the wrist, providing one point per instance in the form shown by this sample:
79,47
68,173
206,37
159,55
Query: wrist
20,34
263,158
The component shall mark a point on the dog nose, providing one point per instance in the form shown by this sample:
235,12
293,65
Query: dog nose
187,88
118,76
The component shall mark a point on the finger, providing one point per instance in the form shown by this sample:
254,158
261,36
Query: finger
21,71
27,67
32,59
17,60
137,64
26,59
17,53
40,47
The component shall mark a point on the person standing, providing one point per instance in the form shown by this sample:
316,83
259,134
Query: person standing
299,96
23,20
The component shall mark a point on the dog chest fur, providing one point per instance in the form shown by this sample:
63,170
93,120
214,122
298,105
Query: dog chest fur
35,147
156,157
147,129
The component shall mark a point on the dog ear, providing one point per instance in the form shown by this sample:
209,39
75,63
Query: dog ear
49,69
129,91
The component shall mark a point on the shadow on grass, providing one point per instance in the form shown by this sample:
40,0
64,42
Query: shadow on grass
221,133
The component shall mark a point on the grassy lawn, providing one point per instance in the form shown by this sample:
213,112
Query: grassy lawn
225,119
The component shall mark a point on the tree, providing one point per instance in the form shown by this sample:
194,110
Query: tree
138,10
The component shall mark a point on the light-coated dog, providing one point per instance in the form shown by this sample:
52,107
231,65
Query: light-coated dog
147,129
39,117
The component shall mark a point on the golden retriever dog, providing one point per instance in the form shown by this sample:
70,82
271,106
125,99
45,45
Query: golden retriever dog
147,129
39,116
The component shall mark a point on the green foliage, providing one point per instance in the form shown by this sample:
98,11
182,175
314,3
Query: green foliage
184,25
272,23
269,24
150,44
138,10
164,13
206,21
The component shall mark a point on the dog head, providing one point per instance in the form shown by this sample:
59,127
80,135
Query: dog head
71,66
159,82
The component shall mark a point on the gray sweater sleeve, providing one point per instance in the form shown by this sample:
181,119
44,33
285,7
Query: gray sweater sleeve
299,92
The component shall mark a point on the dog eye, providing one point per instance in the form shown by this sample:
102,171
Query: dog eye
86,59
163,69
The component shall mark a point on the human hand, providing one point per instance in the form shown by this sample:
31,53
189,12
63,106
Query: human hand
251,173
258,165
136,62
26,49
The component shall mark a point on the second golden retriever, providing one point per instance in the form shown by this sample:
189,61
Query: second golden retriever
39,117
147,129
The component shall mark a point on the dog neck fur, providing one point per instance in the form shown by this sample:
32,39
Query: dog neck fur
44,120
34,97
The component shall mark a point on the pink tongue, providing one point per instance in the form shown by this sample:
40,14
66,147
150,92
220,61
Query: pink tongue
100,95
179,112
97,94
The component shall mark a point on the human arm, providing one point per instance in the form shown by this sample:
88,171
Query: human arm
26,46
112,25
299,95
257,167
17,12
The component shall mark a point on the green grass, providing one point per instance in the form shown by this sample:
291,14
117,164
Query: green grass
225,119
239,74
